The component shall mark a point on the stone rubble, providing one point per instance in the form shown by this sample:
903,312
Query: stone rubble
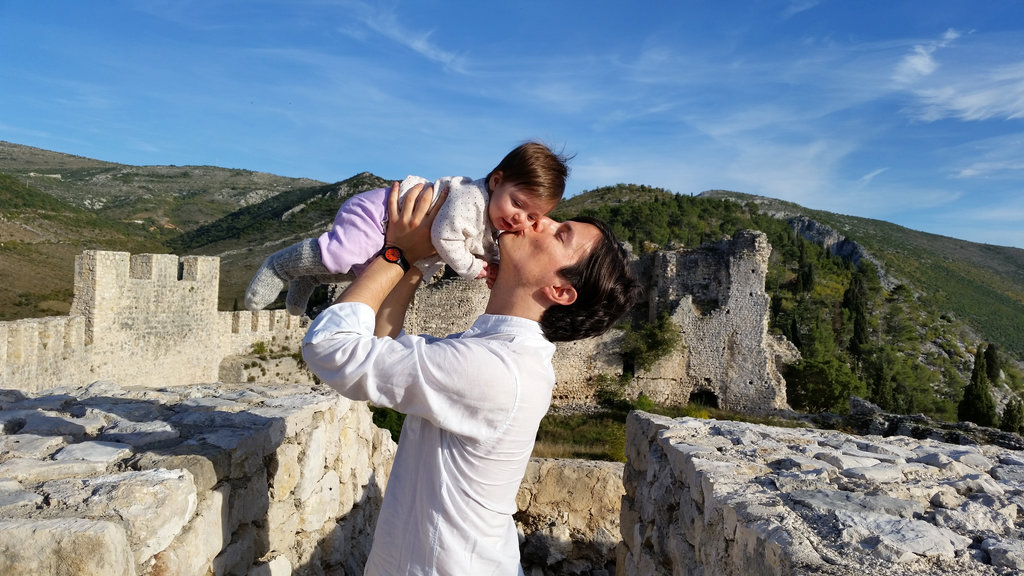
716,497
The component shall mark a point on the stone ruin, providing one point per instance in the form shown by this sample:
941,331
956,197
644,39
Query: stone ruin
153,318
730,498
148,434
715,294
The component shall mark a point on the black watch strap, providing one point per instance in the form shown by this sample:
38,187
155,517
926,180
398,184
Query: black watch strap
394,255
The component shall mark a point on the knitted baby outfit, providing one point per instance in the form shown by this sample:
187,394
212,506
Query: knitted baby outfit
300,267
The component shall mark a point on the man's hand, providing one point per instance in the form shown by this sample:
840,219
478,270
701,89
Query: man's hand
409,224
409,230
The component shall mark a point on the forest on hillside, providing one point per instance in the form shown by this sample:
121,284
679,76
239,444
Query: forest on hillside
891,347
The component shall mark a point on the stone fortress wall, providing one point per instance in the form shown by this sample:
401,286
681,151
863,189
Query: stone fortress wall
138,318
153,318
145,394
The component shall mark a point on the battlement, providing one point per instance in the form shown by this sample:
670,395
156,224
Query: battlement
151,320
139,320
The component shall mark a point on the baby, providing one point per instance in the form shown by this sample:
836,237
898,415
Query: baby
525,185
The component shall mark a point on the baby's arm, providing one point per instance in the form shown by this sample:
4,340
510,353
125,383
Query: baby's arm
460,223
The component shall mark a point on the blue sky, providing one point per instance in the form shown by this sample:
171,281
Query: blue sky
910,112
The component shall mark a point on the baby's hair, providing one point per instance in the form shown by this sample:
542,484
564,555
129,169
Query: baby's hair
536,168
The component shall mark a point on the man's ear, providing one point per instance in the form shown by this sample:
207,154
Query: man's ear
560,294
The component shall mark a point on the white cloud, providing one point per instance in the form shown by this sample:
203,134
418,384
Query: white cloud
988,168
988,93
798,6
867,178
992,158
920,62
388,25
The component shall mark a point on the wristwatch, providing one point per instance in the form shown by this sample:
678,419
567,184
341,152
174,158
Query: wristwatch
394,255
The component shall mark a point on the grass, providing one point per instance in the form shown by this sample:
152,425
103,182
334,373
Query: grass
601,435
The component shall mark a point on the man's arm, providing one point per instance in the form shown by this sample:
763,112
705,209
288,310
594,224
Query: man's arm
391,316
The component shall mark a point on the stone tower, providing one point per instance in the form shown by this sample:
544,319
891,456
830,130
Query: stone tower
715,294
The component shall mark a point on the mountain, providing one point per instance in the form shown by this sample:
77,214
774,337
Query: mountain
935,300
981,283
54,205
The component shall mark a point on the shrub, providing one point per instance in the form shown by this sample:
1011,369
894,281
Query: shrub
644,346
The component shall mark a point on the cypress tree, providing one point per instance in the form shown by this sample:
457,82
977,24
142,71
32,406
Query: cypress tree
992,364
978,405
855,300
1013,416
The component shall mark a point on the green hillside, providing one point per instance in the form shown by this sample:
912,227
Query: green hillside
908,348
900,327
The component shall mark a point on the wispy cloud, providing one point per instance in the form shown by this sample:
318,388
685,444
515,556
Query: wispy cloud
969,84
993,93
867,178
387,24
798,6
921,61
988,168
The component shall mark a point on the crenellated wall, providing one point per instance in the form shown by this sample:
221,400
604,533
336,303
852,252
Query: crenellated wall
152,319
144,318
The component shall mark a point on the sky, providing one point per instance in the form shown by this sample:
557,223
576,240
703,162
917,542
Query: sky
910,112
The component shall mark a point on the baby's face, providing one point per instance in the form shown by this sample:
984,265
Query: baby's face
512,209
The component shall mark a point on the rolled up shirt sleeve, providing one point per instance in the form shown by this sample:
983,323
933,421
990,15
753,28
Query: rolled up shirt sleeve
467,386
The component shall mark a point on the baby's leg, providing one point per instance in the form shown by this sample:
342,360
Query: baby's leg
280,268
301,288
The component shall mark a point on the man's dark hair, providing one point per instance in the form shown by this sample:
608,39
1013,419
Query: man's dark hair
605,290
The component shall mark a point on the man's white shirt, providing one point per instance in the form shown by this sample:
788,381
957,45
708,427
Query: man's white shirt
473,402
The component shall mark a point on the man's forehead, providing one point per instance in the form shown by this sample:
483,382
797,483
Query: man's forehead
584,236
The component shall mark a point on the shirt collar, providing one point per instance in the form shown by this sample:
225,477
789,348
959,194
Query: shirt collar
501,324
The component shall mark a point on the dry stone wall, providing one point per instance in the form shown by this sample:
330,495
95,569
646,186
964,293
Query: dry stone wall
188,480
568,517
729,498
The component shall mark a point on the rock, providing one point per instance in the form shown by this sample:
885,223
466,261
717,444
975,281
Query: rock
68,546
918,509
188,491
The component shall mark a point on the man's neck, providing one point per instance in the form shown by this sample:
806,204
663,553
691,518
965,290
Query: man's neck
514,301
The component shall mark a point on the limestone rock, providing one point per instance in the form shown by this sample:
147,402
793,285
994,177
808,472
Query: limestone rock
922,506
64,547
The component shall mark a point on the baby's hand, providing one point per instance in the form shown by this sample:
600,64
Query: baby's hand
490,272
483,271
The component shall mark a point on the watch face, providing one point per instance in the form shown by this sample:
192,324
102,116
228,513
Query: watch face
392,254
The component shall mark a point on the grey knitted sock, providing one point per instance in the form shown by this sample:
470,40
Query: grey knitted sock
301,288
280,268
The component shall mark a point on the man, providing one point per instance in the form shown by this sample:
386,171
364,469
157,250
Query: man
473,401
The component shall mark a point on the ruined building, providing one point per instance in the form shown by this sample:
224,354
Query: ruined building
153,318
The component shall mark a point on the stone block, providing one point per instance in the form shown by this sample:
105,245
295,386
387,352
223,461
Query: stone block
64,547
153,505
284,473
321,505
192,552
